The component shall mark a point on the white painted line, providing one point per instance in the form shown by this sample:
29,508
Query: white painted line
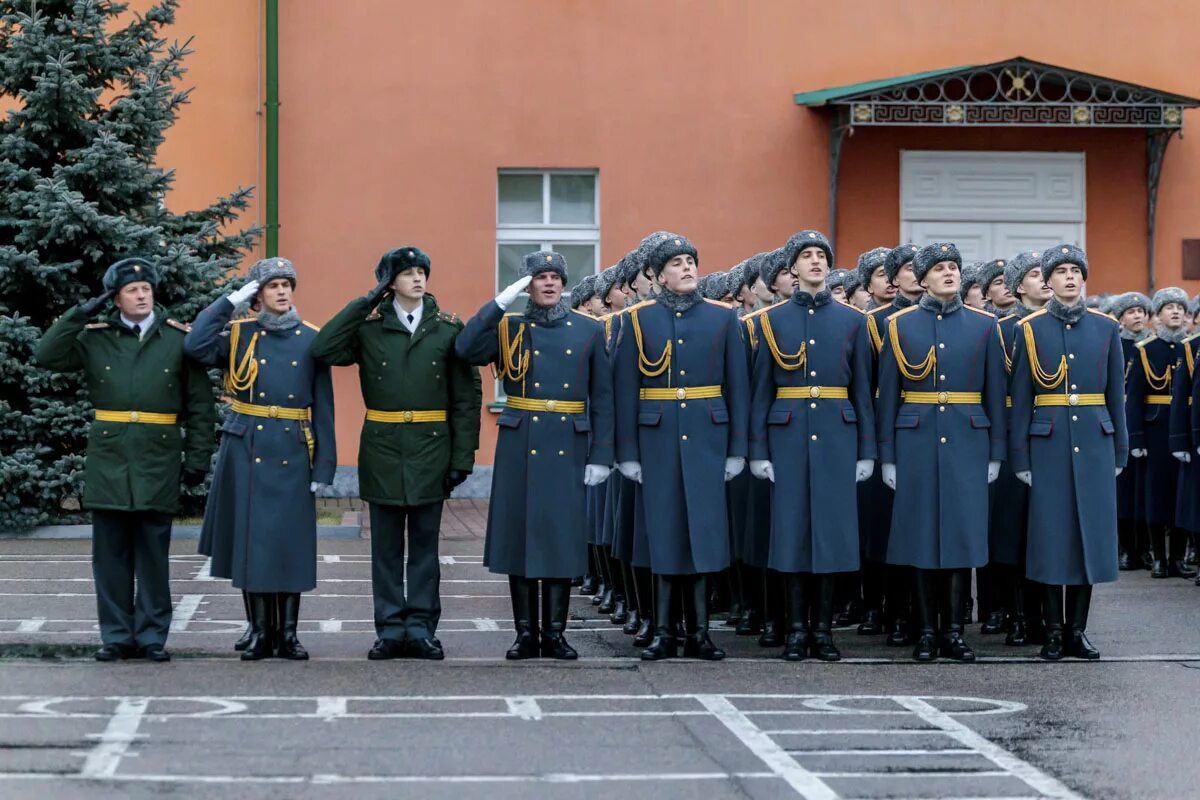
993,773
869,752
103,759
187,607
328,779
485,624
205,571
526,708
330,707
805,783
1031,775
32,625
331,626
852,732
331,559
447,561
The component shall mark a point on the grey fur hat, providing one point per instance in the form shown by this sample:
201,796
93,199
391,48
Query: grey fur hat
737,277
773,263
896,258
646,245
605,281
1018,267
1106,300
805,239
1123,302
716,285
129,270
585,290
268,269
396,261
836,278
1194,306
970,277
667,247
1169,294
851,282
990,270
755,265
932,254
870,261
1064,254
533,264
628,267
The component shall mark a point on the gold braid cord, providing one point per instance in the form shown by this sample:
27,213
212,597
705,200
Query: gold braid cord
1004,349
790,362
651,369
513,366
1156,382
873,329
914,372
1187,349
749,323
241,375
1040,376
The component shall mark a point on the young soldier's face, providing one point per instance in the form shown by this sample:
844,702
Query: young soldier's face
410,284
135,300
906,280
811,268
762,291
999,294
942,281
880,287
785,284
546,288
679,274
642,285
276,296
859,298
1171,316
1066,281
615,299
1134,319
594,306
974,297
839,293
1033,287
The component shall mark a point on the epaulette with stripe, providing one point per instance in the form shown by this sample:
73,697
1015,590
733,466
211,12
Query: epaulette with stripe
902,312
95,326
179,326
877,309
1034,315
584,314
242,320
448,316
373,316
1100,313
642,304
308,324
979,311
1146,341
718,303
853,308
765,309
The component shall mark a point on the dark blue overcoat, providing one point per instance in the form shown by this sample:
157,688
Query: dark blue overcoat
1072,451
813,442
260,523
752,543
1009,497
1149,399
1187,496
874,499
941,451
682,444
1130,500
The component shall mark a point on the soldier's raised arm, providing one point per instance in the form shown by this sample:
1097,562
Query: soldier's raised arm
204,342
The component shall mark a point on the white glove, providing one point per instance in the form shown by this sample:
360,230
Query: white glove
763,470
734,467
1025,477
993,471
595,474
317,486
1183,455
505,298
243,294
863,469
1138,452
631,470
1119,471
889,476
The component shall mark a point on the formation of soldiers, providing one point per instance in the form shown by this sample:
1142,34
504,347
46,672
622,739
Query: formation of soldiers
803,447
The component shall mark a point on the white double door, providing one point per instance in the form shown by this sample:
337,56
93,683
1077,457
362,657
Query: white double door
983,241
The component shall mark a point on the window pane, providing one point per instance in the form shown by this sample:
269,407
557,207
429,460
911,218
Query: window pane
581,260
520,200
573,199
510,264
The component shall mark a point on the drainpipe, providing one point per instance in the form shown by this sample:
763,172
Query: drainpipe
272,108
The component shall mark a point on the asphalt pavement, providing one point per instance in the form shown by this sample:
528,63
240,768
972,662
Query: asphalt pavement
474,725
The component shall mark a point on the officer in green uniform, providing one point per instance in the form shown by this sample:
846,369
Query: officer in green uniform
418,441
154,418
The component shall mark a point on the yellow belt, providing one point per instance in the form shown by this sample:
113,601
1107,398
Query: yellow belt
825,392
274,412
942,398
682,393
1008,402
1158,399
405,416
564,406
144,417
1068,400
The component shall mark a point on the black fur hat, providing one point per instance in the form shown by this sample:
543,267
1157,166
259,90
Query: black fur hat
896,258
129,270
1064,254
396,261
667,247
805,239
932,254
533,264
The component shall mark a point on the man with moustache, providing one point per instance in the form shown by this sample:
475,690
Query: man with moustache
1132,310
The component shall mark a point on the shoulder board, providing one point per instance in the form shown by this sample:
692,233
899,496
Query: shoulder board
642,304
764,310
242,320
1034,315
606,317
978,311
1100,313
582,313
179,326
448,316
374,315
902,312
310,325
878,309
1002,319
95,326
513,314
854,308
718,303
1152,337
1191,338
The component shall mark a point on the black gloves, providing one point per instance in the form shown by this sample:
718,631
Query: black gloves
91,308
453,478
193,478
376,294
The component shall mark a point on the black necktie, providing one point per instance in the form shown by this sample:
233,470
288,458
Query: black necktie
137,330
410,319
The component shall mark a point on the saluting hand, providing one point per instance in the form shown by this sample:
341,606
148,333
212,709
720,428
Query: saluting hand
90,308
239,296
376,294
510,293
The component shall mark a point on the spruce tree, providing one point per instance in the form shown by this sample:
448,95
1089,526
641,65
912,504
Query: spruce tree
90,90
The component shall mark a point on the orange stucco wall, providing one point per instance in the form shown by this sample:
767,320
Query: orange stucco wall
396,115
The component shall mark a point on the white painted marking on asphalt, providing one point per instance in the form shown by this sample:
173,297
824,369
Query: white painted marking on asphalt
805,783
526,708
1002,758
323,779
103,759
331,626
205,571
331,559
447,561
185,609
32,625
330,707
851,732
956,751
486,624
992,773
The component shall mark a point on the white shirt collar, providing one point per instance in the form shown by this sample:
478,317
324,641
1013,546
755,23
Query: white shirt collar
143,326
403,315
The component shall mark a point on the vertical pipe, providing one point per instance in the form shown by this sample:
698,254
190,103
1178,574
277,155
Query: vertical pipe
272,108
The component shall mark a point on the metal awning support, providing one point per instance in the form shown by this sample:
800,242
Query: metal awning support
838,128
1156,149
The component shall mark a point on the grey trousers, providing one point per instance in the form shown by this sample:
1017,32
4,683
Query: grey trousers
400,614
130,551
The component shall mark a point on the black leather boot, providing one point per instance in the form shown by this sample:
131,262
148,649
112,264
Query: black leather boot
288,610
795,646
632,623
663,645
1125,545
1052,609
590,580
645,632
900,633
822,647
897,605
1158,544
925,583
750,622
1017,635
523,592
262,627
697,643
872,624
774,617
243,642
556,594
953,645
994,623
1075,641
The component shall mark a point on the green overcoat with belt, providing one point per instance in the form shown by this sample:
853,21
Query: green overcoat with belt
134,465
403,463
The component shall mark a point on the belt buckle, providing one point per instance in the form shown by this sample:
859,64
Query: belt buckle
408,416
814,391
273,412
551,405
1073,399
133,416
681,394
943,397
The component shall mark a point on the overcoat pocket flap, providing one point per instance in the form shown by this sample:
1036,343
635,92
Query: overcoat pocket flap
980,421
509,419
582,424
232,426
649,417
907,421
1041,427
720,414
781,417
849,414
1107,426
